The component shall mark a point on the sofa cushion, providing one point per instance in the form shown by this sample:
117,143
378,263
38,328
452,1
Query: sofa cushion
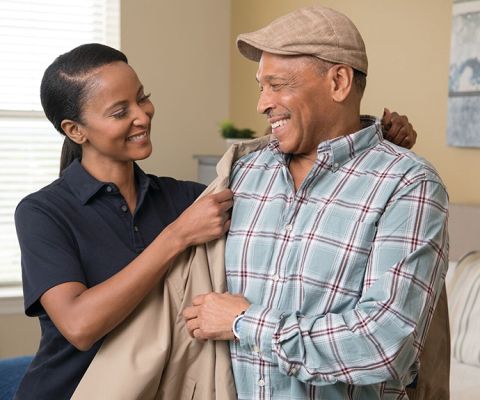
464,304
464,381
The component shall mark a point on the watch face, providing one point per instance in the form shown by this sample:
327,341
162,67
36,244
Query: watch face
235,324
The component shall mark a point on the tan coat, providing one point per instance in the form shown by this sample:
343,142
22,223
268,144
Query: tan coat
151,356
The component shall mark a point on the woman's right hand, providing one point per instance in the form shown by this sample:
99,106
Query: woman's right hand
206,219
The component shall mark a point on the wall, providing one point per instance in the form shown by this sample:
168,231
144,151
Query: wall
180,50
19,335
408,45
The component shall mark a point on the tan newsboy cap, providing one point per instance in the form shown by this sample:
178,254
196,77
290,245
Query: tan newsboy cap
316,30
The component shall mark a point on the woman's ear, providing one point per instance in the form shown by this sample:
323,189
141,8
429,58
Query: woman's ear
341,82
73,130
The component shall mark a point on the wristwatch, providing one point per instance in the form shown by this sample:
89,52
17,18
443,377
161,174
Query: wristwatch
237,319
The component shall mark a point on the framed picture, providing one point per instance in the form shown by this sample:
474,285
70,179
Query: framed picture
463,127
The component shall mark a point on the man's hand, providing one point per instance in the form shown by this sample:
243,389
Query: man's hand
398,130
211,315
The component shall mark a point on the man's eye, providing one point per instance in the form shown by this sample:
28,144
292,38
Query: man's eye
120,114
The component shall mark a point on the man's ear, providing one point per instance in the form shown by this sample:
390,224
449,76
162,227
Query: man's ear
341,82
73,130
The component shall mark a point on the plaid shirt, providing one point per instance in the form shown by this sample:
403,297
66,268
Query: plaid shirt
343,274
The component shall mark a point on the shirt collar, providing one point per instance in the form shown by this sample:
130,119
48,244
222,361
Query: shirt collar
342,149
345,148
85,186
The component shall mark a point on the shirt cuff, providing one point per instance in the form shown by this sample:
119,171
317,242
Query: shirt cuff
257,328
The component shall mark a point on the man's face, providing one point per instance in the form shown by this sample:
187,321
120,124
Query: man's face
295,98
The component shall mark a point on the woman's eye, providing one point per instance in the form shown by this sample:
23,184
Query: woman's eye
144,98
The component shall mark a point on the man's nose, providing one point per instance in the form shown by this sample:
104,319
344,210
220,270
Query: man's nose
265,103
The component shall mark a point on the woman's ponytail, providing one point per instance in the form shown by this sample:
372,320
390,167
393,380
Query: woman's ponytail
70,151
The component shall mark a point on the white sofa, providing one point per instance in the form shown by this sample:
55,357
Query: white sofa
463,289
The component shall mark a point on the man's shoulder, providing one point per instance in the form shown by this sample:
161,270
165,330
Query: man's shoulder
258,157
404,163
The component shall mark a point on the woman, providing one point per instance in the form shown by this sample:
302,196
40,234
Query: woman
98,239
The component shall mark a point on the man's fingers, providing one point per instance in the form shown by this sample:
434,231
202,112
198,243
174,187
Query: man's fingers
192,326
190,312
198,300
198,334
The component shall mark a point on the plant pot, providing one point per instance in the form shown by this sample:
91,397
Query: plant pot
229,142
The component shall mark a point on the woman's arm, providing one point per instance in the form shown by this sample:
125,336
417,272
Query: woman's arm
84,315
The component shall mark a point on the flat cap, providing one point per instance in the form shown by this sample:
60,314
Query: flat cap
316,30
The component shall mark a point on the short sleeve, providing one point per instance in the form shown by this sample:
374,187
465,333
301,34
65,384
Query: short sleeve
49,254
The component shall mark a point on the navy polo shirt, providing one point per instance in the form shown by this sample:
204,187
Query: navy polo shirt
79,229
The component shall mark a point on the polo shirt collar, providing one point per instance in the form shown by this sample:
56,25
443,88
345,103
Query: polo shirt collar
85,186
344,148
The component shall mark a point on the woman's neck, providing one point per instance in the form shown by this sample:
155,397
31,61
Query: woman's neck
119,173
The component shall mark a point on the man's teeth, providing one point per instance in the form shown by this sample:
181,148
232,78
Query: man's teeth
137,137
280,123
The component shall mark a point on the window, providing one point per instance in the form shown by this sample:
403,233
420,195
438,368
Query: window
32,34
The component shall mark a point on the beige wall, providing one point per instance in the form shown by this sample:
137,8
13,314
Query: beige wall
408,46
19,335
180,50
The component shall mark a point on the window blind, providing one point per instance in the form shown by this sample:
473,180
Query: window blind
32,34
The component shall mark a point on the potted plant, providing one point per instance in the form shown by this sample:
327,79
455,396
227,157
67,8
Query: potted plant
232,134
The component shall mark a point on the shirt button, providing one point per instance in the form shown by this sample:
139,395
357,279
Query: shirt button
124,208
275,277
256,349
335,165
261,382
289,228
293,371
135,228
109,189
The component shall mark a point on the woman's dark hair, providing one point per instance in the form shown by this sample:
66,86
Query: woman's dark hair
65,85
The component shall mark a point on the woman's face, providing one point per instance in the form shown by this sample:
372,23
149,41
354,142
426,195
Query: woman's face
116,116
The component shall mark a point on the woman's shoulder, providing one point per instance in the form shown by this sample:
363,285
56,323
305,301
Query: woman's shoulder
49,195
177,187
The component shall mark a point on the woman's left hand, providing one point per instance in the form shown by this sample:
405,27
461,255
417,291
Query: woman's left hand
398,130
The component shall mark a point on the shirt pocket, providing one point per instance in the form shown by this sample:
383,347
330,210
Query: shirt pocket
335,253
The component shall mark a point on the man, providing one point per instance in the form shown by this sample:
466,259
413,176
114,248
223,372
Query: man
338,243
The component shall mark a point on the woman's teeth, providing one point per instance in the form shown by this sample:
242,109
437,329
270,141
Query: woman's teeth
137,138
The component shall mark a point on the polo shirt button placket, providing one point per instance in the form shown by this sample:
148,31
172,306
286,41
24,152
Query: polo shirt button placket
124,208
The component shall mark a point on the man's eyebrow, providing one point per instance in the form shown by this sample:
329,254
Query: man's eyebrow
270,78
